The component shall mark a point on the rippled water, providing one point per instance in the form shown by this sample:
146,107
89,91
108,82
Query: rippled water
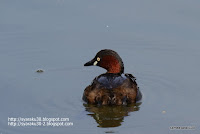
158,42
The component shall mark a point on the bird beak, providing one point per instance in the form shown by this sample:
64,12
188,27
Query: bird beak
91,63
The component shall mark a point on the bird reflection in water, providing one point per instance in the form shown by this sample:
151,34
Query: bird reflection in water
110,116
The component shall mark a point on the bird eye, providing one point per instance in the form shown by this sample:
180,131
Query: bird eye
98,59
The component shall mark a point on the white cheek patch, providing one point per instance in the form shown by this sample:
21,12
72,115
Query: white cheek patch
95,63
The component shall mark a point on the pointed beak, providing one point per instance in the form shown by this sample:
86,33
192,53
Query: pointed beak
90,63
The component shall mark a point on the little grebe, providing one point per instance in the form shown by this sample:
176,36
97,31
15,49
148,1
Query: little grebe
114,87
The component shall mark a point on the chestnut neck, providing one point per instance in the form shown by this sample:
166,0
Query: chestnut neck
112,64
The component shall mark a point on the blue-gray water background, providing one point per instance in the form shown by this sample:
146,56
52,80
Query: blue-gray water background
159,42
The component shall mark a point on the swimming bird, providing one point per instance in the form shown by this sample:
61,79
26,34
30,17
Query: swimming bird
113,87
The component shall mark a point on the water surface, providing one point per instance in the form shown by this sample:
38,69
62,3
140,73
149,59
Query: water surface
157,40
